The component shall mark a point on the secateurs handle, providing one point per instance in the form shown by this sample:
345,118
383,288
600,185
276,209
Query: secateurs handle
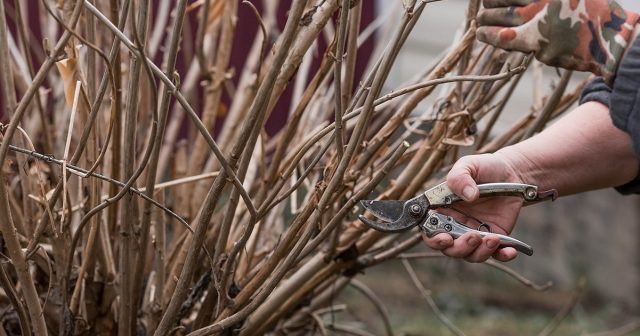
439,223
442,196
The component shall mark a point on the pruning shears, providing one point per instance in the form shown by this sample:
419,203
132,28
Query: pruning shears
398,216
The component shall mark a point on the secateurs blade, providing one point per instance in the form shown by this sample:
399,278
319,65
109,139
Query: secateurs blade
398,216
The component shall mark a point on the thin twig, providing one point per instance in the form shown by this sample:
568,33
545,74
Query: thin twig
39,175
184,103
348,330
355,16
283,292
566,309
263,29
319,134
129,249
202,27
427,296
85,133
155,144
312,215
366,189
377,302
6,223
7,89
159,27
337,76
181,181
65,156
216,189
24,38
10,291
318,320
518,276
85,173
623,330
111,77
508,270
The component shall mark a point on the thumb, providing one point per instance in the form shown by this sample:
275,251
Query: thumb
460,179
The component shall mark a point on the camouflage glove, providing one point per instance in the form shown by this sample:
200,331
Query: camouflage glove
585,35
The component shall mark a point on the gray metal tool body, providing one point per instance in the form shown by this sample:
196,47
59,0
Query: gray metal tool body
398,216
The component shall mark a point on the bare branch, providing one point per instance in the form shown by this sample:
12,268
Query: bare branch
565,310
427,296
377,302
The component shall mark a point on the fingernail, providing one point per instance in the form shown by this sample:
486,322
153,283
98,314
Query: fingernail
492,243
443,243
467,192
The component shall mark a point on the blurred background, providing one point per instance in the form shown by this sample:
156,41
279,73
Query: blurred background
587,245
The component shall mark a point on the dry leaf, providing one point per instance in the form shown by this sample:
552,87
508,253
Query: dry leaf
68,72
215,11
460,140
7,167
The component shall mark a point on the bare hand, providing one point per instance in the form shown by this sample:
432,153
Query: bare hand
499,212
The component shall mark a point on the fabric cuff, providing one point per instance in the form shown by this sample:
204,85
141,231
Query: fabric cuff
624,103
596,90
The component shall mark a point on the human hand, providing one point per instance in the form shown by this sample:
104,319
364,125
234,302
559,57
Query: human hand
577,35
499,212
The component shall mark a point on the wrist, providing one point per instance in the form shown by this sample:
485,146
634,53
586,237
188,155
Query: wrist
519,167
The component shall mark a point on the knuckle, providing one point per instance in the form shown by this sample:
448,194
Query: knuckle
483,18
482,33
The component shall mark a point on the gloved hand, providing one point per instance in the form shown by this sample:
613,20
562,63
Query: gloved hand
584,35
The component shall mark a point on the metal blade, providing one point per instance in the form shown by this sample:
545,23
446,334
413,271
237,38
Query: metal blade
389,210
398,216
388,227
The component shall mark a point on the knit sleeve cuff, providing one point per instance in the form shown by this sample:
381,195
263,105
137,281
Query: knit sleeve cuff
623,101
596,90
624,105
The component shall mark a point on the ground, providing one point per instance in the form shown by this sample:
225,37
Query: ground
478,299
